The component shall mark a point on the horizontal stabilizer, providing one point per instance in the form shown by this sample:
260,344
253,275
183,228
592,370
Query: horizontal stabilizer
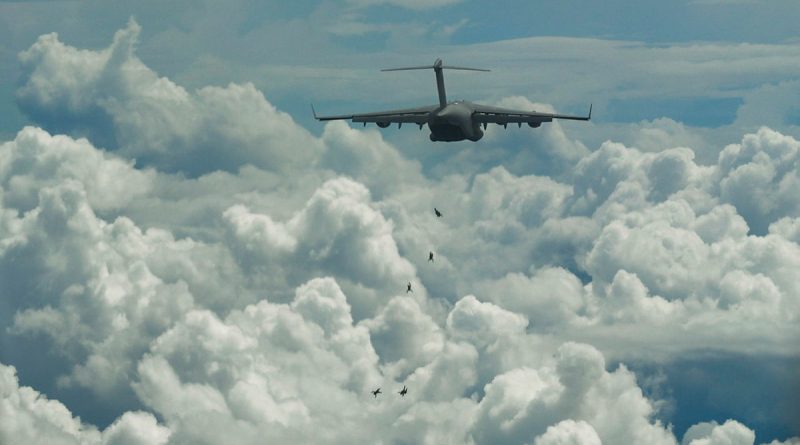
428,67
448,67
436,65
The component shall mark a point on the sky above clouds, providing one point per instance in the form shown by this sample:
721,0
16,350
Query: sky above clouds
186,256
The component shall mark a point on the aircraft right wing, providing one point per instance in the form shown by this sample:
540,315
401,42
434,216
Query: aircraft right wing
417,116
485,114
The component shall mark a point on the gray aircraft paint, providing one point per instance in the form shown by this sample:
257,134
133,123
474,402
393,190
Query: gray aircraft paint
452,121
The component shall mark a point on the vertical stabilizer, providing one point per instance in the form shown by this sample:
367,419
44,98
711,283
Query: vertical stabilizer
437,68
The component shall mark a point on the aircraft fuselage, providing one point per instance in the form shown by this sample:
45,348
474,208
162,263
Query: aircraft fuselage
453,122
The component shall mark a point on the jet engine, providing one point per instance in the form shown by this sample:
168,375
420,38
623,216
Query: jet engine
534,124
383,124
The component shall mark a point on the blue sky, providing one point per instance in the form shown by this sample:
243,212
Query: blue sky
645,258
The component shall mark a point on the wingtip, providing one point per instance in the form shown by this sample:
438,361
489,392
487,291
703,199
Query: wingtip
314,112
590,112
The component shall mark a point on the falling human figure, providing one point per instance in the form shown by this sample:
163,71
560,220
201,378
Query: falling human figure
408,288
376,392
430,256
403,391
437,212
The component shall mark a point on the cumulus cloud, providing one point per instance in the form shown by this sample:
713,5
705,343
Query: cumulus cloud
98,290
547,151
121,104
289,372
337,232
135,427
404,335
790,441
759,176
100,302
521,404
569,432
300,371
551,297
36,159
711,433
27,416
359,154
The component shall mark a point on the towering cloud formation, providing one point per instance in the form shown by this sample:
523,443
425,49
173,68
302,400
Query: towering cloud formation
122,105
211,272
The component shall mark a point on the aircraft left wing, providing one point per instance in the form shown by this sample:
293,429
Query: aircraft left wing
417,116
485,114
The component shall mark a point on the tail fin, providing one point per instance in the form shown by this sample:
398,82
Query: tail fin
437,67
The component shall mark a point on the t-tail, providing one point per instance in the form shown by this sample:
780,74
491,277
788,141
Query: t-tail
437,67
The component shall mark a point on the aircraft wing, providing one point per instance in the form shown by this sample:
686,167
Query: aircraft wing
485,114
417,116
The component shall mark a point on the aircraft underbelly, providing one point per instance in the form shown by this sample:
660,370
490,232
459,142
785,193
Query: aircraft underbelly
454,123
446,132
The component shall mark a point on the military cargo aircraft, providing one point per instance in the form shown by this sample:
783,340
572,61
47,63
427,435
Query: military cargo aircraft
452,121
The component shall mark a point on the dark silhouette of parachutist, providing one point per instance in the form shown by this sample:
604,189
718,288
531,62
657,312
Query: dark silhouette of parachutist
403,391
376,392
408,288
438,213
430,256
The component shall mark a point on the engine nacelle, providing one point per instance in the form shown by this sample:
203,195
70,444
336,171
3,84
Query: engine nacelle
383,124
534,124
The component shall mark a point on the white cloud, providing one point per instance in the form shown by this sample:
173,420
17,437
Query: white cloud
267,369
547,151
338,232
483,324
666,258
790,441
569,432
338,223
520,405
271,370
36,159
628,301
404,336
153,120
26,416
359,154
552,296
499,337
101,303
711,433
135,427
787,228
759,175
